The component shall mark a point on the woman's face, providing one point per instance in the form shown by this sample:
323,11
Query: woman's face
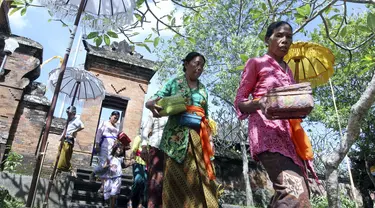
280,41
194,68
119,151
113,119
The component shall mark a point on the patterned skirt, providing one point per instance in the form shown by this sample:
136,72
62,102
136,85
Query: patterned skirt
291,188
187,185
155,178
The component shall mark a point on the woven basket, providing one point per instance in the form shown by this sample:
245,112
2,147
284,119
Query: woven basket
172,105
289,102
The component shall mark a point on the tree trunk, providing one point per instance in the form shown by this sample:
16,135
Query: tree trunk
245,171
332,161
332,187
245,168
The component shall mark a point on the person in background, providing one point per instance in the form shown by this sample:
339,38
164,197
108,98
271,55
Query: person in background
106,136
138,196
152,132
113,172
189,177
270,140
68,137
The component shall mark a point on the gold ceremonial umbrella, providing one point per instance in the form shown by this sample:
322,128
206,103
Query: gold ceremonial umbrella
310,62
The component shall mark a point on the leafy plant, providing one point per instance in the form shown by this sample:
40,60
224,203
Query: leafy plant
322,202
13,160
20,5
7,201
98,37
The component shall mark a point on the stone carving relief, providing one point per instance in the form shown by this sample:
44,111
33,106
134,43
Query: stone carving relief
123,47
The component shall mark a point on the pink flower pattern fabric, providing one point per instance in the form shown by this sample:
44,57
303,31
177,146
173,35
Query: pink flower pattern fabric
260,75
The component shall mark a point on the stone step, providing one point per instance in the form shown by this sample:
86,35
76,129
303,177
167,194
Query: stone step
95,199
75,205
85,193
94,187
80,183
85,174
231,206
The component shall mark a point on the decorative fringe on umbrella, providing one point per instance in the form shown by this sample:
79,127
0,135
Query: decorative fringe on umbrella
97,21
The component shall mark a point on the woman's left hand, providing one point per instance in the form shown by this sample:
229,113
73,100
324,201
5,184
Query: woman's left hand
153,107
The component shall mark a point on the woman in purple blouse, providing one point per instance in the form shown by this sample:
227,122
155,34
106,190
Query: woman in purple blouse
270,140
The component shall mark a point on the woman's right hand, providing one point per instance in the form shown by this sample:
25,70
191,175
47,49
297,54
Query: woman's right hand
251,106
262,106
153,107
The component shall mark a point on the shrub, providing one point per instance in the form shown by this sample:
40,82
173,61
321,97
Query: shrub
13,160
322,202
7,201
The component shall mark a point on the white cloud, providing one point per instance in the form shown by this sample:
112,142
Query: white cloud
18,22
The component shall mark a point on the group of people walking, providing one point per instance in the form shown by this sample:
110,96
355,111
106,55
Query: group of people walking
178,158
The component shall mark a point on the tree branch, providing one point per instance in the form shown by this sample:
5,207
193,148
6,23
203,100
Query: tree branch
271,9
361,2
239,17
34,5
357,113
338,44
159,20
188,7
313,17
64,24
127,36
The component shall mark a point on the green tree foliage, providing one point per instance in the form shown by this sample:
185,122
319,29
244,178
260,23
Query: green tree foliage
7,201
351,40
13,161
322,202
222,31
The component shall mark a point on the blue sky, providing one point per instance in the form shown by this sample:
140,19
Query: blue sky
54,39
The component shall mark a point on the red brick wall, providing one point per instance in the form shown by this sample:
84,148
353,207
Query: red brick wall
9,98
28,131
30,118
133,112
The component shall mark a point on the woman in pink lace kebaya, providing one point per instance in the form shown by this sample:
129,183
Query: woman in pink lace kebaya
270,140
